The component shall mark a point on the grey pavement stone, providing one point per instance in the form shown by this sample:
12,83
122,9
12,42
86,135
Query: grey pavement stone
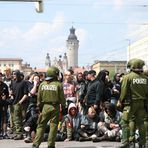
70,144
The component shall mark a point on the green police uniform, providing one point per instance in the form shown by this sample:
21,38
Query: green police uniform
134,94
50,96
146,118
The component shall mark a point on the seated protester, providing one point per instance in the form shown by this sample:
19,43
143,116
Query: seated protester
89,124
31,124
109,126
70,125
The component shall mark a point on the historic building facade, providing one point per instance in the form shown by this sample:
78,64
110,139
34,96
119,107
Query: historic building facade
112,66
14,64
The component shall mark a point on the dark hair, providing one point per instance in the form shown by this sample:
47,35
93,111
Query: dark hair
18,75
85,72
93,72
1,74
114,78
71,71
106,71
101,75
111,108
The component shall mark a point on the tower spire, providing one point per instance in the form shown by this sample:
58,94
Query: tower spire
72,46
47,61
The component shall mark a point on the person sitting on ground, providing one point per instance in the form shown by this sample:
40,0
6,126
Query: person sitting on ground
70,125
109,126
89,123
31,123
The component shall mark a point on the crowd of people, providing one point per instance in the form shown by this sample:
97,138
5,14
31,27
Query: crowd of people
90,110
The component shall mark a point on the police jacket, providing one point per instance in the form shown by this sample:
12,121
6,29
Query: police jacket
134,85
50,93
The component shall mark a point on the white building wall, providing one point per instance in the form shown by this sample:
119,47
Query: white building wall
11,63
139,50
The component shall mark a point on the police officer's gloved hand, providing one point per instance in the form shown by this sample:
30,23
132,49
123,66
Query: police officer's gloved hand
119,105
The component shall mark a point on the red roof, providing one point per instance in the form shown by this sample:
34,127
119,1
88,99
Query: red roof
39,70
78,69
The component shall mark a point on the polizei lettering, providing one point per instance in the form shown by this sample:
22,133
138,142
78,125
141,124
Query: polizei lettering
49,87
139,81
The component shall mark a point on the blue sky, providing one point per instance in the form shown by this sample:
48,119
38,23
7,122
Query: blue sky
103,27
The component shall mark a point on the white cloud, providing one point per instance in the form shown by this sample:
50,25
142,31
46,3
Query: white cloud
96,5
38,31
33,44
42,30
82,35
9,36
57,22
118,4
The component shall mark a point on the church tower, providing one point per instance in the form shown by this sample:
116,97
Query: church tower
47,61
72,47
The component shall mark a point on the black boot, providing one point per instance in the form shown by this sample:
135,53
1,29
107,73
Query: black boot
18,137
97,139
142,146
5,136
132,145
51,147
35,146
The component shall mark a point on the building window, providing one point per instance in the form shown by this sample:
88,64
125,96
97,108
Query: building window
11,65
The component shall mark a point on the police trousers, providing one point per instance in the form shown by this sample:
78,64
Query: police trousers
132,118
49,113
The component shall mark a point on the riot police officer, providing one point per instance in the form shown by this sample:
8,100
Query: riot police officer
134,96
50,97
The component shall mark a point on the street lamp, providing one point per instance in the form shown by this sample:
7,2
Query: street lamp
38,4
128,49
